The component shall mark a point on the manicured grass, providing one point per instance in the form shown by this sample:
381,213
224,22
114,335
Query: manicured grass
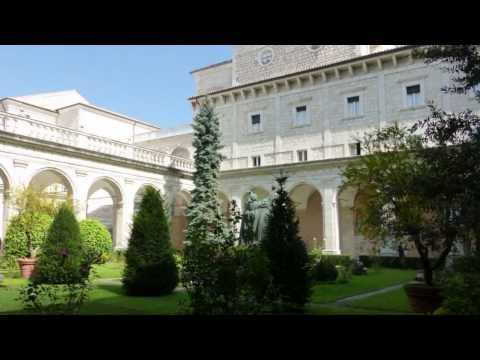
110,270
375,280
108,297
395,301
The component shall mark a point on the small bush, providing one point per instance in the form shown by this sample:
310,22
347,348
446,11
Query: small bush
97,241
344,274
358,268
460,286
61,257
324,270
224,279
393,262
16,245
56,299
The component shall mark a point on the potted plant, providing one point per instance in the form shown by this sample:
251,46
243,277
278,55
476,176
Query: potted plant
34,207
27,264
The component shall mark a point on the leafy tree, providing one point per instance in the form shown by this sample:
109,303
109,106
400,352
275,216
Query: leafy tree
462,61
150,264
456,140
398,197
31,203
16,242
285,250
61,257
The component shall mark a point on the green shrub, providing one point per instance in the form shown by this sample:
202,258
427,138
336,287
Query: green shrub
97,241
324,270
344,274
61,257
228,280
460,286
16,245
286,252
59,299
150,265
393,262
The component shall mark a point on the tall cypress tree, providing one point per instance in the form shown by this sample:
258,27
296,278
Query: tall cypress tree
150,265
286,252
203,213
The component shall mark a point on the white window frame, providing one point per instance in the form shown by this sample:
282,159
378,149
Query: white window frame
346,112
251,130
259,160
307,122
421,101
303,152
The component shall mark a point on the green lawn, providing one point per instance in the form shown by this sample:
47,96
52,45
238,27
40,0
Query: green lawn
110,270
375,280
109,298
395,301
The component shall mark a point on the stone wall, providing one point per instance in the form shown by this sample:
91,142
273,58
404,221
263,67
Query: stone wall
286,59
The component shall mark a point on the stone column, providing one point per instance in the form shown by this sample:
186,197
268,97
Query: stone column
124,214
330,221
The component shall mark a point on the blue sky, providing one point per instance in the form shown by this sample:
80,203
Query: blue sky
151,83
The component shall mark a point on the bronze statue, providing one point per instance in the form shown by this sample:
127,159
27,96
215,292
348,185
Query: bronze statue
254,219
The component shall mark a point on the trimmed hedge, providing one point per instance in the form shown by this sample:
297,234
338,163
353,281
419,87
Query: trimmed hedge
61,258
97,241
150,268
16,241
393,262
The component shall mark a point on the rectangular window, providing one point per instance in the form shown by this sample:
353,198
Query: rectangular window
302,155
355,149
413,95
256,161
300,115
353,106
256,122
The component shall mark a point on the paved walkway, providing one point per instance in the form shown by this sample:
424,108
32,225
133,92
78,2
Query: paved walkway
368,294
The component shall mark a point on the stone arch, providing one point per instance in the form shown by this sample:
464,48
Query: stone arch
54,182
179,221
105,203
309,208
4,203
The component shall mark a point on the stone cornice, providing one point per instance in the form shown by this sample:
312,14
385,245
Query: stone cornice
52,147
297,166
309,77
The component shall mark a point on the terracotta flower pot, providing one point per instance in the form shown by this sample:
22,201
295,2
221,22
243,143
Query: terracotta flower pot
423,298
27,266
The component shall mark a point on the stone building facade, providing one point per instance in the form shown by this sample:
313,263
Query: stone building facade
292,108
301,108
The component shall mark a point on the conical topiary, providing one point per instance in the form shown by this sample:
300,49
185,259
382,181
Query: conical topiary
60,260
286,252
150,269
